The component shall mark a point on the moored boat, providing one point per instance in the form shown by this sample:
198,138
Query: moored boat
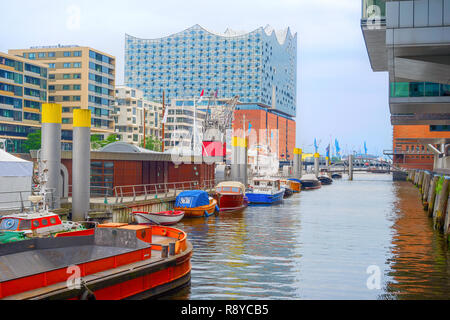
196,203
295,185
165,218
230,196
265,191
287,189
336,176
309,182
324,180
118,261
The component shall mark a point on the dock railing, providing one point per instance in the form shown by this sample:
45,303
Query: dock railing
158,190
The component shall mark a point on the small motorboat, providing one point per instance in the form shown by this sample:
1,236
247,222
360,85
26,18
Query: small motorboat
288,192
165,218
336,176
196,203
230,196
309,182
295,185
265,191
325,180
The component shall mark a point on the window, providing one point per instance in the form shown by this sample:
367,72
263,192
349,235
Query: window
67,54
77,75
77,53
44,222
76,98
66,65
52,65
51,87
66,87
51,76
77,64
76,87
35,223
51,54
66,76
52,220
66,98
32,56
41,54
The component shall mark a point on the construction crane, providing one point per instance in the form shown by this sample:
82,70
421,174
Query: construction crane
219,117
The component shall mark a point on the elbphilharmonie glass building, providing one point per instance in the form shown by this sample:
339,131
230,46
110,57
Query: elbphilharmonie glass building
259,66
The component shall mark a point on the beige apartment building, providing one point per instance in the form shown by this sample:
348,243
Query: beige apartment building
79,77
135,117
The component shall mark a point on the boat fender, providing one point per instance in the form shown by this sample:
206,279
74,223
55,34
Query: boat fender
87,293
206,213
217,209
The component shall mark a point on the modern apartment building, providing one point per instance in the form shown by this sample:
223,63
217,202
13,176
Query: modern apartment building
79,77
135,117
411,41
23,89
178,128
259,66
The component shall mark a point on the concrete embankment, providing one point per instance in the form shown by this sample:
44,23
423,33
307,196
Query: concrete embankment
434,189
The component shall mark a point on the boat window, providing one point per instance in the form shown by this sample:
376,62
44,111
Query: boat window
44,222
52,220
25,225
9,224
236,190
36,223
256,183
226,189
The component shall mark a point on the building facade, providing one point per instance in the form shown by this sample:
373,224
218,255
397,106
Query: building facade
411,41
23,89
265,127
79,77
260,67
135,117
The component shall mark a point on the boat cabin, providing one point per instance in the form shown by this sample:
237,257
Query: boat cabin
230,187
31,222
273,184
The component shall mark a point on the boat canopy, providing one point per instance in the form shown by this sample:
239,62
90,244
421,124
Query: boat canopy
192,199
231,184
296,180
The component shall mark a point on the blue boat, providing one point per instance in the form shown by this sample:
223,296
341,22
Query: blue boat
196,203
265,191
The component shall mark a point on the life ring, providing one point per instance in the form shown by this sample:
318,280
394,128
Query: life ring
164,232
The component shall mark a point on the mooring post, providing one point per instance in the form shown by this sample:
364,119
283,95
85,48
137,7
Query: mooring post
81,164
432,195
441,206
425,187
297,163
350,167
51,148
316,164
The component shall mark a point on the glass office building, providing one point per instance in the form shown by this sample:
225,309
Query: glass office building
259,66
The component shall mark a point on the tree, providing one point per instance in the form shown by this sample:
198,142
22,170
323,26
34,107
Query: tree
33,141
152,143
97,142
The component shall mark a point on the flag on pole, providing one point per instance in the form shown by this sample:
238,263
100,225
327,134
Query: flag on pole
201,96
249,127
316,147
328,151
365,148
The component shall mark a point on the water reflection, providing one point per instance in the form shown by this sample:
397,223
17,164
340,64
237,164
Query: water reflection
319,244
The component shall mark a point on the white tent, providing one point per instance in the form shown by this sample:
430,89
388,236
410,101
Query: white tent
15,181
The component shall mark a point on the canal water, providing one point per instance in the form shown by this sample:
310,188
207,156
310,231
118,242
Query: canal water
362,239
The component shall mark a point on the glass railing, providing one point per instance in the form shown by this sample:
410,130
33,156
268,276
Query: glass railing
373,9
419,89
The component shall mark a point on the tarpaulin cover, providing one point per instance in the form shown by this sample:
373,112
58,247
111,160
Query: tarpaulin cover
192,199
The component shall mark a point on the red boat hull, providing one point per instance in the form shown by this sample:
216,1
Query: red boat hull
232,202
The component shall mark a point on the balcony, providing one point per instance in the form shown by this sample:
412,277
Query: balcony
373,26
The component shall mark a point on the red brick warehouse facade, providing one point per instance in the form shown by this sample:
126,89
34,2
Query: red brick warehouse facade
407,153
265,126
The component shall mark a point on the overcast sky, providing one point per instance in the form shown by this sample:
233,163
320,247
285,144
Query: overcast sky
338,95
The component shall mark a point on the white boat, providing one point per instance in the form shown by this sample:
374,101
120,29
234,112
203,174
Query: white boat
164,218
